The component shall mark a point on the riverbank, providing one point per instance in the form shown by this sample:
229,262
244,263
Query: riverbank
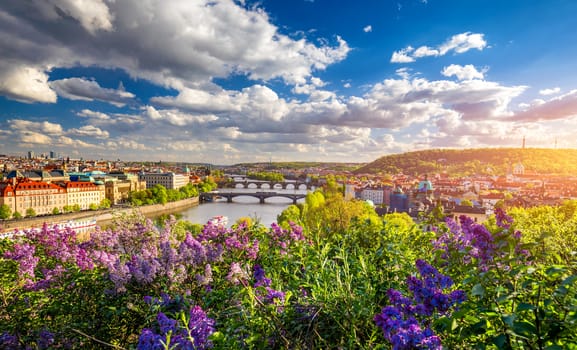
103,217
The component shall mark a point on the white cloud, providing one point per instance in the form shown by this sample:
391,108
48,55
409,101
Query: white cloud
459,43
44,127
93,15
368,29
175,44
425,51
25,83
467,72
89,131
463,42
403,56
89,90
553,91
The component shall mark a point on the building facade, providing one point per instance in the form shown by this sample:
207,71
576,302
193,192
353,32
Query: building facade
171,180
41,197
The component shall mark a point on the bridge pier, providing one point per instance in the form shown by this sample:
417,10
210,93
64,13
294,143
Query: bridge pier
261,200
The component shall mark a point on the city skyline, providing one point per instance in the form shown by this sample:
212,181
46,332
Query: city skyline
307,80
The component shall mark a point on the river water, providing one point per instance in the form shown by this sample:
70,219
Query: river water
243,206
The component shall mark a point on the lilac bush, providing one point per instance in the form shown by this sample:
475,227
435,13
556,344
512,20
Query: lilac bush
468,242
406,323
188,330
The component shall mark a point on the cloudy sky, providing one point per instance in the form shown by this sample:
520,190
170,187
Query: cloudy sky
226,81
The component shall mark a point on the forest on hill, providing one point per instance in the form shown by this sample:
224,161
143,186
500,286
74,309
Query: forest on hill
482,161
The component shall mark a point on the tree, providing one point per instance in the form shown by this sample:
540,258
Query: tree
30,212
5,212
105,203
55,211
93,206
466,203
17,215
159,194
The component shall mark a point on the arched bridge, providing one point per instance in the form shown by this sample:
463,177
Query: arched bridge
261,184
210,196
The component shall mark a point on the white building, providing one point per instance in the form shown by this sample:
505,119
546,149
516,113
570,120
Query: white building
376,195
170,180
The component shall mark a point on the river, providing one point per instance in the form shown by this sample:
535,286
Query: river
243,206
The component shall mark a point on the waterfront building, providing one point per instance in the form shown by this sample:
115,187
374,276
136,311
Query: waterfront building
169,180
84,193
23,194
118,186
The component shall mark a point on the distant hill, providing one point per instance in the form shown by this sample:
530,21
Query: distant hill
489,161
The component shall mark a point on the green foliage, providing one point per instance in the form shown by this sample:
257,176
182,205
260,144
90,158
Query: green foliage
334,282
554,229
55,211
105,203
30,212
17,215
93,206
488,161
266,176
5,212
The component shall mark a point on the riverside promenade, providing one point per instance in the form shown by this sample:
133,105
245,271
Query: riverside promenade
103,217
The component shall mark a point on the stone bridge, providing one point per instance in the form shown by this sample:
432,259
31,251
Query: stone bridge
258,184
210,196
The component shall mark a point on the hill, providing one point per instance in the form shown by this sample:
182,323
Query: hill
488,161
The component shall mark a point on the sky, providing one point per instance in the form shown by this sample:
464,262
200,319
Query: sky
227,82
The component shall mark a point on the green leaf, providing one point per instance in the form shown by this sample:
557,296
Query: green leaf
500,341
524,307
524,328
509,319
478,290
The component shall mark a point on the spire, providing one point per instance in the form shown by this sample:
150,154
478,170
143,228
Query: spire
523,142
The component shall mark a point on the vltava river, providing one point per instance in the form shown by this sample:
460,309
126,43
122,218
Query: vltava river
265,213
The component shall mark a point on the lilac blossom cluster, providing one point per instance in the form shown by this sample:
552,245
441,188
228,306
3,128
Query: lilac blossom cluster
473,242
44,340
272,296
191,330
143,255
138,253
283,238
59,250
406,322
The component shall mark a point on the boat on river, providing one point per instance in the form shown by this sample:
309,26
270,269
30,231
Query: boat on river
79,226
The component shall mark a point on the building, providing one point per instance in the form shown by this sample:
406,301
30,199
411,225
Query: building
169,180
399,201
118,186
83,194
24,194
478,215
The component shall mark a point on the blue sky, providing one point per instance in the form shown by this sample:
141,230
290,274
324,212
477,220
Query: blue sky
245,81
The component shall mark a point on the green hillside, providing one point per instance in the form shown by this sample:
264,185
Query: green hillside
490,161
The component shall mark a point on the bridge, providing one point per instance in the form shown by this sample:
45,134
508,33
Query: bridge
210,196
259,184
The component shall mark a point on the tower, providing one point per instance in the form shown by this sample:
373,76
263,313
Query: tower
523,142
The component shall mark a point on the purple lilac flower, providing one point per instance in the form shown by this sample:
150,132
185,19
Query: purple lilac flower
201,327
24,255
9,341
405,322
236,274
471,242
274,296
192,335
259,277
45,339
